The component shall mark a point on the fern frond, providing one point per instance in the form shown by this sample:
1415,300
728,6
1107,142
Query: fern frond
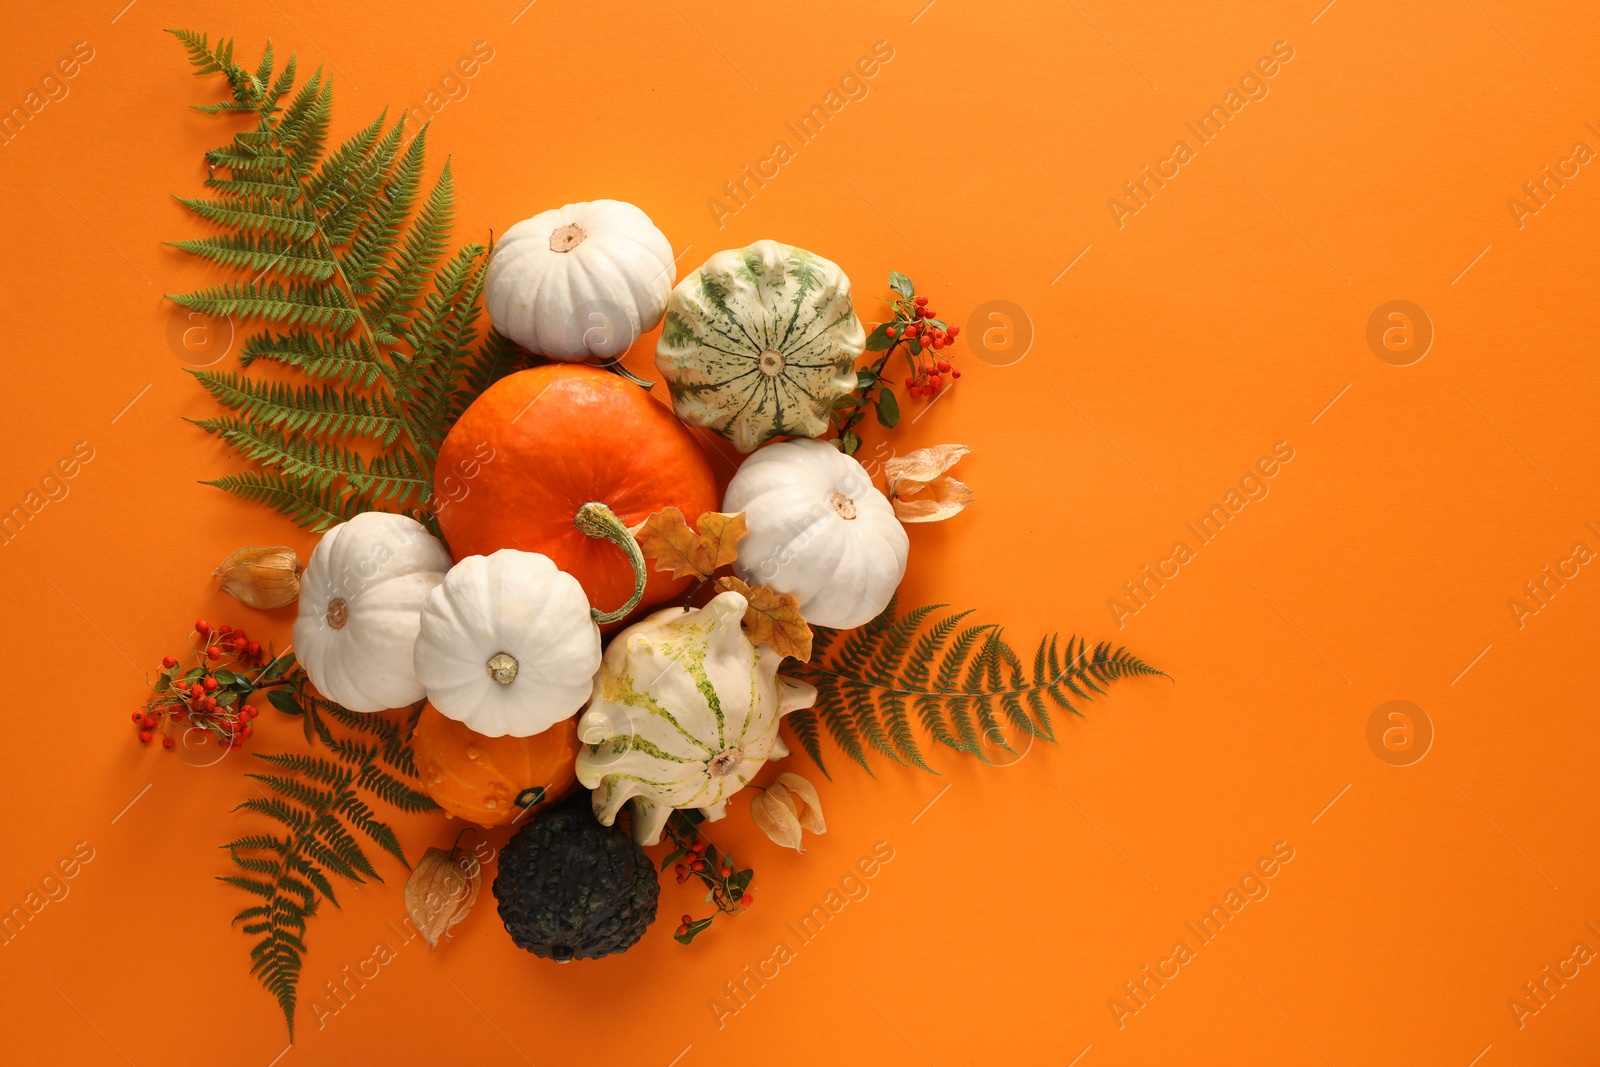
804,724
313,507
325,411
287,305
345,263
319,798
255,213
297,458
259,253
394,792
350,362
959,680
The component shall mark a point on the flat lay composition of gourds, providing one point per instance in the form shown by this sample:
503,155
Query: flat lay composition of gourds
531,605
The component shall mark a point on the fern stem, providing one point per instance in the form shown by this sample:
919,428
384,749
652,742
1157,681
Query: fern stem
1079,671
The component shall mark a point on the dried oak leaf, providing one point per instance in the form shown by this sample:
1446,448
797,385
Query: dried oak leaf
666,538
918,487
772,618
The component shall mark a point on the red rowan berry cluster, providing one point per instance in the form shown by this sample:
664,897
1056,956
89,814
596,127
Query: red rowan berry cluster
207,693
925,335
727,886
926,340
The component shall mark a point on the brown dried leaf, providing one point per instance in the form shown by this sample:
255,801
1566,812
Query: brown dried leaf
803,798
441,892
720,534
773,811
918,488
772,618
666,538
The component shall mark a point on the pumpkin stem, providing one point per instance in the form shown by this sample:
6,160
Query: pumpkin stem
597,520
615,367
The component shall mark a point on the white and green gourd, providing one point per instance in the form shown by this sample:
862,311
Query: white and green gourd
760,342
684,714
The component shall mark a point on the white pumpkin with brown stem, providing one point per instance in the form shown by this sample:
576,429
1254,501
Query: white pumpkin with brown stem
819,531
580,281
361,605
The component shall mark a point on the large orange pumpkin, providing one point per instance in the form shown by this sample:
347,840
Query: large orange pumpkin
541,443
493,780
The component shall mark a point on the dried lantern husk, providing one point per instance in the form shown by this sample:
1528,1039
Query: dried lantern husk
262,576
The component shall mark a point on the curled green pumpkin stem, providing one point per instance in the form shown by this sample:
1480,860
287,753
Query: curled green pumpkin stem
615,367
597,520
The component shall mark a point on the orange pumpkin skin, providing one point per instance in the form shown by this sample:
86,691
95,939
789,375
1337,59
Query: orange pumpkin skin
541,443
482,778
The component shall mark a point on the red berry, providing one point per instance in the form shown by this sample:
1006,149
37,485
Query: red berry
210,703
145,736
890,332
944,366
746,900
955,374
953,330
138,715
201,626
213,653
913,329
168,662
247,731
167,742
683,931
196,691
254,649
927,313
209,684
922,301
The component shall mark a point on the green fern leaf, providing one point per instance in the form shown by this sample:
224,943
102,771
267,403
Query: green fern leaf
318,797
311,506
959,681
345,261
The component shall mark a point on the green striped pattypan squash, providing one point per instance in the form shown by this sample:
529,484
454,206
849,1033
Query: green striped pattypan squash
684,714
760,342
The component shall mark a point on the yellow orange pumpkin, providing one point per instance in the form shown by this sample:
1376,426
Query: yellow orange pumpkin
493,780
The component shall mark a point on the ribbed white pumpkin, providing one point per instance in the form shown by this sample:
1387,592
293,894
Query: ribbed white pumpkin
580,281
684,714
508,645
759,343
360,605
819,531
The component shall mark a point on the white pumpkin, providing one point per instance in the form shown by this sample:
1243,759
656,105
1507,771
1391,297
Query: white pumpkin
360,605
508,645
580,281
819,531
684,714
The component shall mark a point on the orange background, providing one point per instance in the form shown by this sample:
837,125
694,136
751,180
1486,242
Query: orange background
1224,317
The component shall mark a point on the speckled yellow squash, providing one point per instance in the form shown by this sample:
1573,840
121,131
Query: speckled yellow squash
759,343
684,714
